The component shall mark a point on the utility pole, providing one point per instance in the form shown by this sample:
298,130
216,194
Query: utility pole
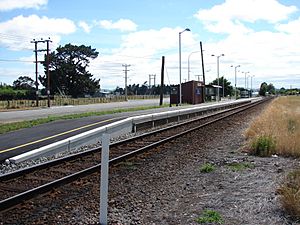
203,73
48,72
126,70
162,81
36,68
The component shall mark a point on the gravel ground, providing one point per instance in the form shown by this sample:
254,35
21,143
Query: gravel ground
167,186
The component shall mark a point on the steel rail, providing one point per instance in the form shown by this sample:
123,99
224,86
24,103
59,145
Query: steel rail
19,198
68,158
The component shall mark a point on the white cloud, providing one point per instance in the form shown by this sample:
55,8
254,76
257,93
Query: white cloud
121,24
6,5
227,17
33,27
87,28
290,27
143,51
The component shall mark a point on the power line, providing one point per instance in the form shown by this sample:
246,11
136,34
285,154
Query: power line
15,60
14,37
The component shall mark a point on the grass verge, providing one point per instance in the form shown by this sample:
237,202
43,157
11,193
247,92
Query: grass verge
8,127
277,129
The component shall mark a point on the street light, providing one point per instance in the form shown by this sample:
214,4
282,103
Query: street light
235,91
251,84
246,79
189,64
180,97
218,61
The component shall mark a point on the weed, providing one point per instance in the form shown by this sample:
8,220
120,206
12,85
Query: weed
210,216
289,193
128,165
207,167
263,146
240,166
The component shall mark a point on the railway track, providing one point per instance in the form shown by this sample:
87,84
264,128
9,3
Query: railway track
25,184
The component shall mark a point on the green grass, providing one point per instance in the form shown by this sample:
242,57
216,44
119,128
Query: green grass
207,168
8,127
210,216
240,166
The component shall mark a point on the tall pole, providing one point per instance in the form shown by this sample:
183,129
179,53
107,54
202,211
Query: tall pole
180,97
36,68
245,79
126,70
251,81
223,87
251,85
218,73
203,73
36,75
235,91
162,81
48,73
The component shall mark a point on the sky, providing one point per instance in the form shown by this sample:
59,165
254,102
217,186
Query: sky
262,36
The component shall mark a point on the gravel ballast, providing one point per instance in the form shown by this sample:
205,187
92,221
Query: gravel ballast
168,187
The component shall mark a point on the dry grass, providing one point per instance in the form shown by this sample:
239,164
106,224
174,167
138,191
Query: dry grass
277,131
279,124
290,194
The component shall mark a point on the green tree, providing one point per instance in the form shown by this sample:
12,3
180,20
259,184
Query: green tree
282,91
263,89
271,89
227,84
68,71
24,83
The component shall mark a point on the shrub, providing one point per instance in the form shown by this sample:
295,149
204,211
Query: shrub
263,146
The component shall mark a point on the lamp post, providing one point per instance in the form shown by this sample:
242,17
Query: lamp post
218,62
251,84
235,91
180,97
223,87
246,79
189,64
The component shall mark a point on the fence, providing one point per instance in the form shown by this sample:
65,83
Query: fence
59,101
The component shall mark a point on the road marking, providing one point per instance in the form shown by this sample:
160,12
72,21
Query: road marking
57,135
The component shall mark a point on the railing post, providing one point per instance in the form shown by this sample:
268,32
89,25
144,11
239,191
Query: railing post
104,179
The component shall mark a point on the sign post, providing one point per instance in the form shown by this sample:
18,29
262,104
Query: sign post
104,179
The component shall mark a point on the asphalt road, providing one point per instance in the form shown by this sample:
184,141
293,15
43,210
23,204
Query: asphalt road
21,115
20,141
